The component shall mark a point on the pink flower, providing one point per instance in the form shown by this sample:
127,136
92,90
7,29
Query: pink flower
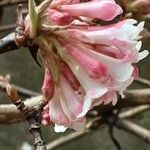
86,64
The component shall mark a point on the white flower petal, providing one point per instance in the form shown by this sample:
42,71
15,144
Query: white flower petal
143,54
59,129
138,46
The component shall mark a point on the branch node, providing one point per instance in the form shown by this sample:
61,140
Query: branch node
32,114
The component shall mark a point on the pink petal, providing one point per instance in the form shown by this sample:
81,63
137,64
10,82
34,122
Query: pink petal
116,67
71,104
59,18
60,2
105,10
93,88
135,72
94,68
45,116
122,34
109,97
48,84
56,112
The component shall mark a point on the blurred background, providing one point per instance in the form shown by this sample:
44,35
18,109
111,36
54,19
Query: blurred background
24,72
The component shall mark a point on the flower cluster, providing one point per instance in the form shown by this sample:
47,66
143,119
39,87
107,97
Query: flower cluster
86,64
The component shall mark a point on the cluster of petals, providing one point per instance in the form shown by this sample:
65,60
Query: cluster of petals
92,63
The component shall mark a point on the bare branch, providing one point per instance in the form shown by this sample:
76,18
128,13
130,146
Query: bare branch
4,28
9,113
75,135
12,2
134,111
134,129
22,91
32,115
143,81
65,139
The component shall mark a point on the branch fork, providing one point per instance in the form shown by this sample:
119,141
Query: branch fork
32,115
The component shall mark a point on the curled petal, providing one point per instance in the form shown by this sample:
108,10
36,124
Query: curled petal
93,88
45,116
109,97
143,54
122,34
60,2
70,102
135,73
56,112
105,10
59,18
94,68
69,76
116,67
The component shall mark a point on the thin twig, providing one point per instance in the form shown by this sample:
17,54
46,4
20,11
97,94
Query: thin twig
143,81
91,126
65,139
9,114
12,2
22,91
134,129
71,137
32,115
134,111
4,28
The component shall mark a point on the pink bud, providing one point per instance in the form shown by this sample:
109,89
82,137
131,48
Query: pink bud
59,18
105,10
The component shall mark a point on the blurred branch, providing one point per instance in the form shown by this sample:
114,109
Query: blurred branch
1,13
22,91
143,81
134,129
134,111
32,115
91,126
121,123
9,113
65,139
7,27
12,2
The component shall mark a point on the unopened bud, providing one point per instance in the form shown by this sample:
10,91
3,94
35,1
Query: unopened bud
12,93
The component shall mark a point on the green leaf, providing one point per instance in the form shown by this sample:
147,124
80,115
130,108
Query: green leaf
33,18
